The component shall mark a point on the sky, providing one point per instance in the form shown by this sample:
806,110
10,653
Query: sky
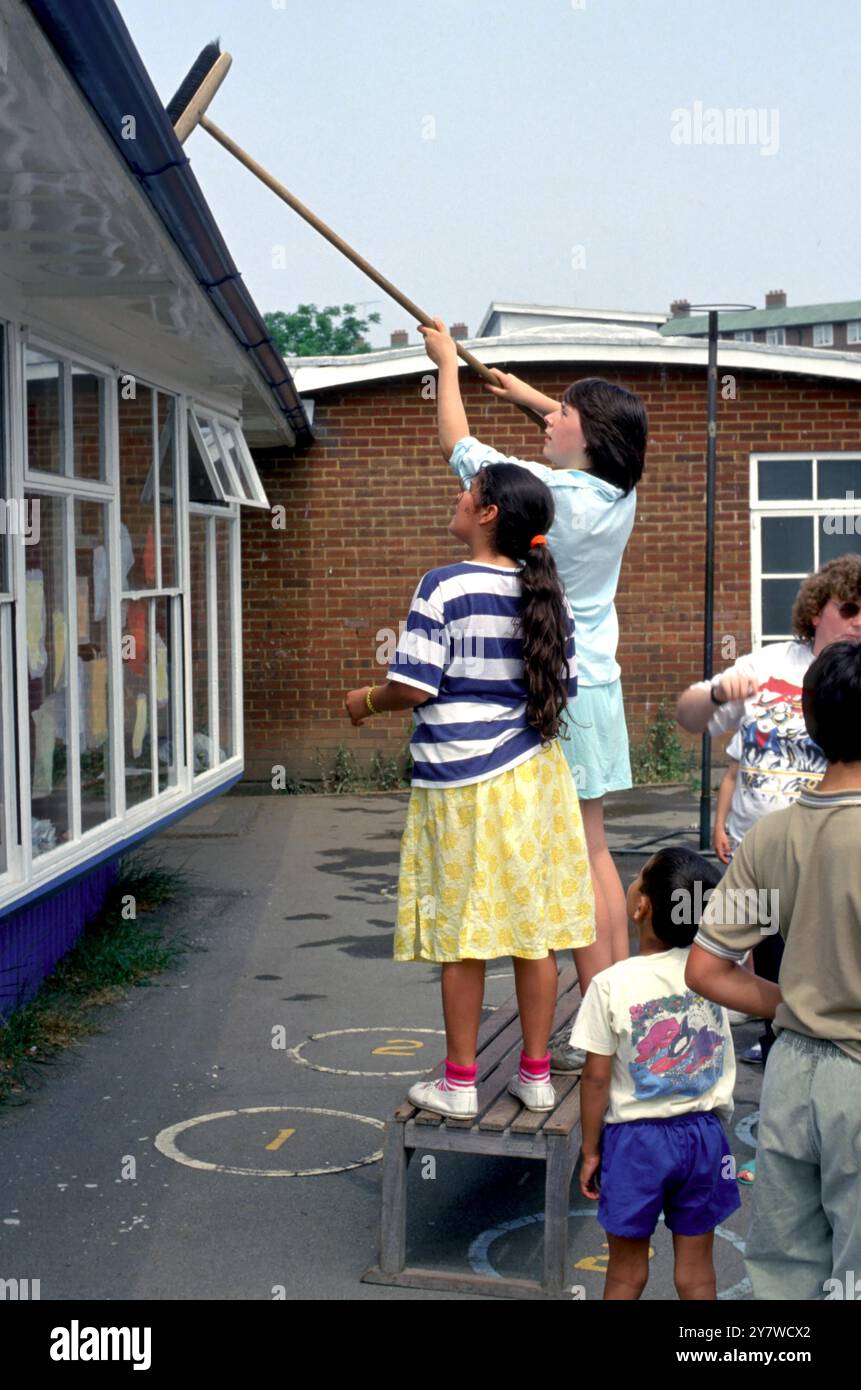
571,152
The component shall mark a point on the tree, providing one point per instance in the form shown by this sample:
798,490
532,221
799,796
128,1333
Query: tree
313,332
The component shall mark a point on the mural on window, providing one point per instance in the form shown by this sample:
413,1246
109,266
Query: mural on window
807,516
48,682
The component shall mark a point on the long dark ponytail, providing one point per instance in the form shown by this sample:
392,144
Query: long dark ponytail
525,509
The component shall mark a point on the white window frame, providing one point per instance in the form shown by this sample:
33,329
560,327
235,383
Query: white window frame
744,335
246,490
26,876
853,331
814,507
775,337
823,335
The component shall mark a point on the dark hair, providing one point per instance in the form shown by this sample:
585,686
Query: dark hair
525,509
615,427
840,579
669,874
831,701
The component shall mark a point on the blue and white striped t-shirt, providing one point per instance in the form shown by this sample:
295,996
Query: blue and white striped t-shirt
459,645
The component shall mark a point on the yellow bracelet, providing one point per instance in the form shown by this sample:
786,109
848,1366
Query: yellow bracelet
369,702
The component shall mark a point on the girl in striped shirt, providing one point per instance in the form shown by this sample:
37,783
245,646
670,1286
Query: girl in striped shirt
493,855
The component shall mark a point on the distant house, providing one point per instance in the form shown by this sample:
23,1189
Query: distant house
368,507
136,373
836,326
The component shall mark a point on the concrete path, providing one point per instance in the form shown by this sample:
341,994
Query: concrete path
106,1190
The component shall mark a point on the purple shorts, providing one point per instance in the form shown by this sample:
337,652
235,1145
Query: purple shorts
678,1165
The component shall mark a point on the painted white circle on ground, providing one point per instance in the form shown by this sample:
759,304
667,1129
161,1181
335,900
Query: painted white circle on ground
165,1142
298,1055
480,1263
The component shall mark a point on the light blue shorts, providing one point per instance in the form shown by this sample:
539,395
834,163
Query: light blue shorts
597,747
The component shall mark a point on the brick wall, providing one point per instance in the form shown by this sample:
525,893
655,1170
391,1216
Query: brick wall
367,509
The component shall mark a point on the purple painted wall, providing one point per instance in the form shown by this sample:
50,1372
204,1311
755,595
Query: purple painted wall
33,940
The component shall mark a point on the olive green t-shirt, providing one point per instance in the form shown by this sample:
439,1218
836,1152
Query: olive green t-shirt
799,870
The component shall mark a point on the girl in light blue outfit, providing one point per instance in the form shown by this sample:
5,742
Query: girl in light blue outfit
595,440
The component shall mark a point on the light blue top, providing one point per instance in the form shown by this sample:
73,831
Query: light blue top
593,521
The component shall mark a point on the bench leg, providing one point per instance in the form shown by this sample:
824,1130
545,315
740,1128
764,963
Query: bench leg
393,1225
557,1196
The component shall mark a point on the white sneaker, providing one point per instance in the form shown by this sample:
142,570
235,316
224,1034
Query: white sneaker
536,1095
462,1102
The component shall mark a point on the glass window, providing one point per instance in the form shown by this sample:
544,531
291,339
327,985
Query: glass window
137,641
137,503
775,337
784,479
89,456
93,670
839,479
823,335
203,483
5,676
853,331
778,596
166,418
226,733
45,446
210,439
839,534
744,335
787,544
165,647
202,745
48,684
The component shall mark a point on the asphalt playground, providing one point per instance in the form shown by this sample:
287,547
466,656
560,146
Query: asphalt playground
221,1137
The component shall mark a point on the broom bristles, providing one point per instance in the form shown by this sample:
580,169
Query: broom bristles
198,71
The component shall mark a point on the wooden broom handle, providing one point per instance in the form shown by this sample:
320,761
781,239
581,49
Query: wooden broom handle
224,139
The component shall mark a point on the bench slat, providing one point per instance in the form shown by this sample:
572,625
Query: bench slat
497,1037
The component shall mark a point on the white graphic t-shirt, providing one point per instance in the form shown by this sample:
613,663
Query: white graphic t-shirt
672,1049
777,757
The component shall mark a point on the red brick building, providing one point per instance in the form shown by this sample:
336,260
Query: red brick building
366,510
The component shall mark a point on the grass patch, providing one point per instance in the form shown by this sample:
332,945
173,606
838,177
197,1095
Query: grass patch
115,951
660,757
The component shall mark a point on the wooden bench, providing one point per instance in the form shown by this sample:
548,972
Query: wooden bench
503,1127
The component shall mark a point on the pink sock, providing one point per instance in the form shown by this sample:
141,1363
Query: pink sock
534,1069
457,1077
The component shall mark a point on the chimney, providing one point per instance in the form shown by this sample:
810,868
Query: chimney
680,308
775,299
399,338
458,331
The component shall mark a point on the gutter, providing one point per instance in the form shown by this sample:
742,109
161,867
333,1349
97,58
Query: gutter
94,45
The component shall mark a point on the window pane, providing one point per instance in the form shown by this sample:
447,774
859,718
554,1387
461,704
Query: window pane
164,657
200,487
166,406
226,658
231,448
137,494
44,413
211,442
201,718
840,478
137,714
48,664
839,535
93,688
785,478
787,544
778,596
88,424
5,611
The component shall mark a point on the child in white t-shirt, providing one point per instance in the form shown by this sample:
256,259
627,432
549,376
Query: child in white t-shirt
658,1080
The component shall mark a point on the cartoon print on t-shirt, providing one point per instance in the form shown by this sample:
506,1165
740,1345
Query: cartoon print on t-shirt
779,759
678,1046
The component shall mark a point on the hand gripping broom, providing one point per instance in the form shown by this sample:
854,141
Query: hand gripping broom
187,110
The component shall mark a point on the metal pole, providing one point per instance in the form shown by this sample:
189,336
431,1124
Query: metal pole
708,624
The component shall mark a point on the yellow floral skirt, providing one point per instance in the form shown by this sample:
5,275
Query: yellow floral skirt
496,868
